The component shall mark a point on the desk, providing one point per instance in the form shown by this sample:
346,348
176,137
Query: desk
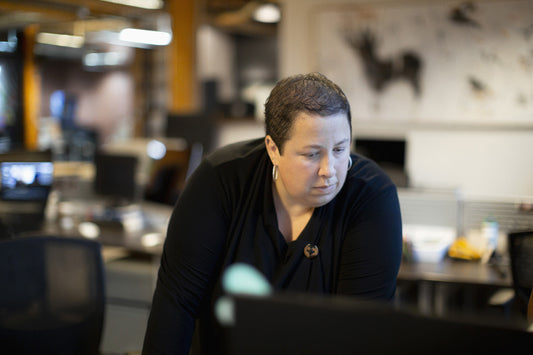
530,309
146,238
436,281
132,258
457,271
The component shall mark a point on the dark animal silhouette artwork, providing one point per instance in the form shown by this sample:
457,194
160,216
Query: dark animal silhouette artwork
381,71
461,15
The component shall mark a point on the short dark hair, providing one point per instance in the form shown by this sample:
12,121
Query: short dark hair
312,93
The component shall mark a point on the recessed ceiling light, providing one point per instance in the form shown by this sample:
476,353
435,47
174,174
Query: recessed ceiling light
267,13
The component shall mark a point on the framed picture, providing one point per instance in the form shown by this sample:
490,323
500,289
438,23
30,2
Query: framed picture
430,62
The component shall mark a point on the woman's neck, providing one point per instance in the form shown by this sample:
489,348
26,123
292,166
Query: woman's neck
292,218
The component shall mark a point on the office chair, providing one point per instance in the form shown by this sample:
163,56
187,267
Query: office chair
521,258
51,296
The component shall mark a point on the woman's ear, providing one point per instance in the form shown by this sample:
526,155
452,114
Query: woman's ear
272,149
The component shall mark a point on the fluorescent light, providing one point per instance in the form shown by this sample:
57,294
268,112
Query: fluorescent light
144,4
104,59
155,38
267,13
61,40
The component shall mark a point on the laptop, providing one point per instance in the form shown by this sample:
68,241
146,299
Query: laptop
24,190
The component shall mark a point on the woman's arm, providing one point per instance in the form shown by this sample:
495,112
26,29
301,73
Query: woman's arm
189,265
372,249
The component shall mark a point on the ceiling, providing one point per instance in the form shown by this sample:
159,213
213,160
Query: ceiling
93,15
20,13
99,22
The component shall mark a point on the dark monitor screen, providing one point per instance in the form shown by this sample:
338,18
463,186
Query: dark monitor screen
26,181
387,153
307,324
194,128
382,150
115,177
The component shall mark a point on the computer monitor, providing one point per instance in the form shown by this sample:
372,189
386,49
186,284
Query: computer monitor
115,178
195,128
26,181
307,324
390,154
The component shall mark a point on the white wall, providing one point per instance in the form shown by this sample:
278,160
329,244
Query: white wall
480,163
489,160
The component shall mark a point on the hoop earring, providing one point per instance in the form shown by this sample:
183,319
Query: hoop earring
350,163
275,172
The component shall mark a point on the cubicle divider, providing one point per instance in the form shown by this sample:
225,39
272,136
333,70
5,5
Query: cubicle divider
451,286
450,208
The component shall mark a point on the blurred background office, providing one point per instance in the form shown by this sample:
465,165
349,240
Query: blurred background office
124,98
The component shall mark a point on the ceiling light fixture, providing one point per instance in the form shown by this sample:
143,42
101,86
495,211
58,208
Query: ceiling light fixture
154,38
267,13
61,40
105,59
144,4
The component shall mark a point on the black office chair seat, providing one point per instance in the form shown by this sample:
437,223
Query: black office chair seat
52,296
521,256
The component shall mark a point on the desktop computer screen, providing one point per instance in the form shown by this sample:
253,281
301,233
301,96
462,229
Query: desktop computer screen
24,189
26,181
115,178
314,324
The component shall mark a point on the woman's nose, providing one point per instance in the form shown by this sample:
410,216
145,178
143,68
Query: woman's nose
327,167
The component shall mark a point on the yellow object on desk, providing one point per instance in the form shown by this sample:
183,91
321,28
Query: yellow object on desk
462,249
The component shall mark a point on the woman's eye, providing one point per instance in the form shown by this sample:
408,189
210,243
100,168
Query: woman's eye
310,155
339,150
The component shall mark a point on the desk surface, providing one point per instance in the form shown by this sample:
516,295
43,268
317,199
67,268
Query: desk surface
146,238
149,240
457,271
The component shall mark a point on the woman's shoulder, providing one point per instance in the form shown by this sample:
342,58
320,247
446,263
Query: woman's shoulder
238,151
236,163
232,168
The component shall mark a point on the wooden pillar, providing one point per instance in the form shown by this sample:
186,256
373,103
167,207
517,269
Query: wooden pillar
141,95
183,82
31,90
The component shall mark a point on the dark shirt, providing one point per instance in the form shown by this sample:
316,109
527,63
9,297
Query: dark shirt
226,214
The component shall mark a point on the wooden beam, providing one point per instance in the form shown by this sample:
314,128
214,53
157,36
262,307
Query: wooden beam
183,85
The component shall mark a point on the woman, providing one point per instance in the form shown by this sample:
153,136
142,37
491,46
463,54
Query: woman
295,205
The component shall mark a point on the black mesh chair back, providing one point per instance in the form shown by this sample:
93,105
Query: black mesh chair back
52,296
521,257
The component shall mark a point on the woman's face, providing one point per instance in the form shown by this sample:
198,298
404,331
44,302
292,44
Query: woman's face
314,163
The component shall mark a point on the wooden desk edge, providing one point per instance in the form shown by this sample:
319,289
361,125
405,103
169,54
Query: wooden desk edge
530,309
451,271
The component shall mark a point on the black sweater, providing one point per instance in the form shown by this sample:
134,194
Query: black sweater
226,214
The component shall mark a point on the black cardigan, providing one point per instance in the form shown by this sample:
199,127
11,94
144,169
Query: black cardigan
226,214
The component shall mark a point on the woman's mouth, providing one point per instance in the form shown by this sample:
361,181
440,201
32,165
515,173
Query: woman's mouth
325,189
